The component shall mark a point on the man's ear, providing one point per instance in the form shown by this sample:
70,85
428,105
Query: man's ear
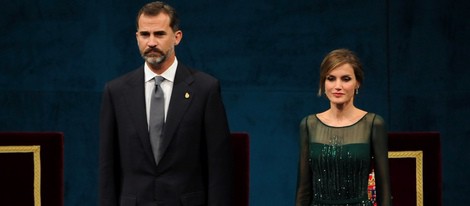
178,37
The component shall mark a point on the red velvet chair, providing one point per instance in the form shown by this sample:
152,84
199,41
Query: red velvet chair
31,169
241,154
415,168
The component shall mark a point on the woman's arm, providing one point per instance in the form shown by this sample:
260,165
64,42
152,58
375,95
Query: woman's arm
380,151
304,178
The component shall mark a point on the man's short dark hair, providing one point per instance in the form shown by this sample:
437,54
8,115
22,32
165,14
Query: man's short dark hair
157,7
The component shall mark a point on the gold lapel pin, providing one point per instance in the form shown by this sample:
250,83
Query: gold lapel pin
186,95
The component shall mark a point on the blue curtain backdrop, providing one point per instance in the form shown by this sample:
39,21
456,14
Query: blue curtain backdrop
57,55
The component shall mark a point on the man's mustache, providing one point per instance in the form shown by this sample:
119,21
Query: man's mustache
153,50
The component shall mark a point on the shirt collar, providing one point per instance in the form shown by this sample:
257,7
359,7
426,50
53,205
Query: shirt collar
169,74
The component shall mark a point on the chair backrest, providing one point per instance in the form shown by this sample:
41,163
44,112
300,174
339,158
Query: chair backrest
31,168
415,168
241,154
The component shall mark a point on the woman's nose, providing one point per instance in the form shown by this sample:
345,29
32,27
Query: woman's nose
338,85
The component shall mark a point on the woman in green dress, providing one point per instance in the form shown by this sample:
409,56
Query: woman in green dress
339,146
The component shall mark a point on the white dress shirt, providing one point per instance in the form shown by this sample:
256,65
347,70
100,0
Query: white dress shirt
167,85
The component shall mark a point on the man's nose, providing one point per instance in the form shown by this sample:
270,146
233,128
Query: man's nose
152,43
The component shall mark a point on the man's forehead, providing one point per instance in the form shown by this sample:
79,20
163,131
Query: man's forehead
159,22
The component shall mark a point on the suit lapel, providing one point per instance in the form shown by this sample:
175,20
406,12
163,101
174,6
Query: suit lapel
181,98
135,94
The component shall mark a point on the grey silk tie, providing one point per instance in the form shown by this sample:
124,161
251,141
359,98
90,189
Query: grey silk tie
157,118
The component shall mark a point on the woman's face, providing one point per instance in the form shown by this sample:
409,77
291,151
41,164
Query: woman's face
340,85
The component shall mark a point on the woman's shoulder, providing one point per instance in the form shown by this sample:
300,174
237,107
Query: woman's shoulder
375,119
311,117
308,119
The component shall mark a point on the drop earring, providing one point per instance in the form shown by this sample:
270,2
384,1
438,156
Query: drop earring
357,90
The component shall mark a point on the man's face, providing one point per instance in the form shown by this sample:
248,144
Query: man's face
156,41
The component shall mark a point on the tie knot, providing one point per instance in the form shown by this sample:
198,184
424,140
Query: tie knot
159,80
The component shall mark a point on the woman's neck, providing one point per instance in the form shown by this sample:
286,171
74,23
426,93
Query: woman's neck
341,115
342,110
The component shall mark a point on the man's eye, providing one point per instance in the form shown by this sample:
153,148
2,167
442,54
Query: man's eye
159,34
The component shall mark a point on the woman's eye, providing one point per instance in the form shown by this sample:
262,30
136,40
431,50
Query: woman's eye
346,79
330,78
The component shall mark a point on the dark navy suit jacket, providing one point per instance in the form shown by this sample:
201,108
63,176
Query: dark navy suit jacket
195,167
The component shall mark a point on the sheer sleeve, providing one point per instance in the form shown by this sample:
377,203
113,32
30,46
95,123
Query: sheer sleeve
380,150
304,178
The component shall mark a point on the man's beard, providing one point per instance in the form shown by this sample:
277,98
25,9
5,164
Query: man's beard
154,59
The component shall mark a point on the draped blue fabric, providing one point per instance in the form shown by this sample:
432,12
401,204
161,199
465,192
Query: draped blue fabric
56,56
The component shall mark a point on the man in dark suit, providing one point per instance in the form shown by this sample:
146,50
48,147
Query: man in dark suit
192,165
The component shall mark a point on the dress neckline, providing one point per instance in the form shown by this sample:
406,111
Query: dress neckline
360,119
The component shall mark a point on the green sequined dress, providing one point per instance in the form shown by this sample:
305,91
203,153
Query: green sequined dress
335,162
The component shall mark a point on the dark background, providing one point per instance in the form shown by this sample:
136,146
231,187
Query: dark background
56,56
